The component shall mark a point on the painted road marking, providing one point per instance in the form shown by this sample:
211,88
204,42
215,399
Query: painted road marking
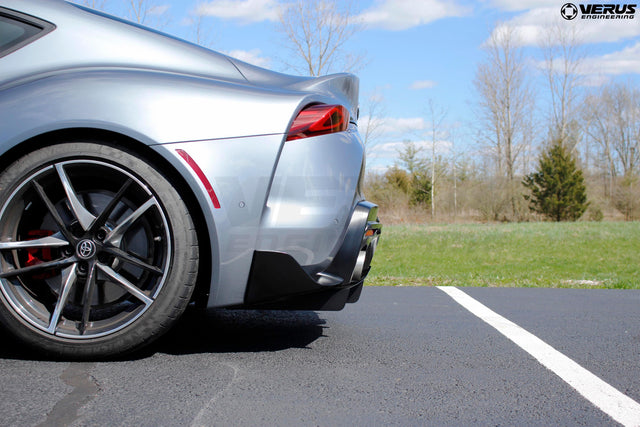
617,405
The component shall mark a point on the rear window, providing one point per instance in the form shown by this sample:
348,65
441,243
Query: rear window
16,31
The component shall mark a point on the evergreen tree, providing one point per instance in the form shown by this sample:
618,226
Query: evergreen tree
557,187
421,189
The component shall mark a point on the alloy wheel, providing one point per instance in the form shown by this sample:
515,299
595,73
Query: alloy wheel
90,252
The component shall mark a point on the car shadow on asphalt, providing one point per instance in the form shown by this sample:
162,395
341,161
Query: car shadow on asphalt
220,331
224,331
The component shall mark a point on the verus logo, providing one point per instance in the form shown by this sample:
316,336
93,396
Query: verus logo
569,11
611,9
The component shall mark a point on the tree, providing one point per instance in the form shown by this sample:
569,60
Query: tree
421,189
410,156
612,116
372,122
436,119
563,58
557,187
411,159
149,13
201,33
627,197
93,4
316,32
398,179
505,104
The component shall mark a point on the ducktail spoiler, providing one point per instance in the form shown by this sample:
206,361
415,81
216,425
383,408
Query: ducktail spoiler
343,86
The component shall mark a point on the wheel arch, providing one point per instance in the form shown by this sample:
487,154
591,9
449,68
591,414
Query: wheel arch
127,143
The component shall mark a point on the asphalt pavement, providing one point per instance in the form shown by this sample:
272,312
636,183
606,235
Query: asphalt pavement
400,356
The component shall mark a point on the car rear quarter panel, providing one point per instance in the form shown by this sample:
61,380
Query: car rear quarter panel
154,108
294,196
239,170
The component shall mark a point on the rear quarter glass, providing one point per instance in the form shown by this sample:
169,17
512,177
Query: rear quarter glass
18,30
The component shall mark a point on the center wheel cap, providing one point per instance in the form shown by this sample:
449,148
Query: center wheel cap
86,249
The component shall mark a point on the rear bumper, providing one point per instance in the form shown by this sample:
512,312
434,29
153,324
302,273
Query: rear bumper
277,281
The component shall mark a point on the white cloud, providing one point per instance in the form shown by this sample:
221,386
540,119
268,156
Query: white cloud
399,15
423,84
532,26
401,125
246,11
512,6
597,70
250,56
390,150
625,61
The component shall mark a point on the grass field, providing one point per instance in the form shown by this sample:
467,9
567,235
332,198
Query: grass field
580,254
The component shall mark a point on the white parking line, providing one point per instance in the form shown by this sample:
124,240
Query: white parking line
618,406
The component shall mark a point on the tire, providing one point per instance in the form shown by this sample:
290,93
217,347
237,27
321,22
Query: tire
98,252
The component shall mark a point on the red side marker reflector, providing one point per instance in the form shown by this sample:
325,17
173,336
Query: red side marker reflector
207,185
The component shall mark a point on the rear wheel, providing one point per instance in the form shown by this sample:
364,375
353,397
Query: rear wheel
98,251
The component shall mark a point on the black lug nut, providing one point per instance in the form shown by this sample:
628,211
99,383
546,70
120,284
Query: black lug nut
101,234
83,267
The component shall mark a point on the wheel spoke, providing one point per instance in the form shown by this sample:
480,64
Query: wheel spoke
60,263
104,215
87,297
116,234
53,241
84,217
68,279
128,286
52,211
132,259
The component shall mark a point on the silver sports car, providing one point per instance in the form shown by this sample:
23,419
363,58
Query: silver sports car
140,173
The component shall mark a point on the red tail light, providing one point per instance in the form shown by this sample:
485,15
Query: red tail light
319,120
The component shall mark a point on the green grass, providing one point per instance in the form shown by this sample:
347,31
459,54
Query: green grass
580,254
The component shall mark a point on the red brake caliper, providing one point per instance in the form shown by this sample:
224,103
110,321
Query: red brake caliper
36,256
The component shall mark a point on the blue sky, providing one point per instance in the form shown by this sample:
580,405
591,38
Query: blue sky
415,51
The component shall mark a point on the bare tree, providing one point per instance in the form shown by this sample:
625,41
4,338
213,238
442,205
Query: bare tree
436,120
456,161
625,109
505,103
562,60
373,122
410,156
93,4
316,32
200,32
599,131
613,118
149,13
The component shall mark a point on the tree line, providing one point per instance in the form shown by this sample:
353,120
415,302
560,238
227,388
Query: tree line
580,159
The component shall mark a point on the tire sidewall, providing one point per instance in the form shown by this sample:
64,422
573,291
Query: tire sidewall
180,278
